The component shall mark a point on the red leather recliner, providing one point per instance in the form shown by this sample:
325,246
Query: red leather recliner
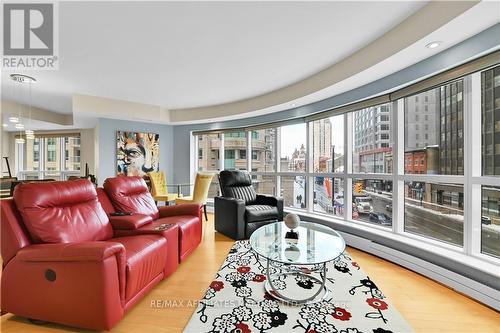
62,263
130,194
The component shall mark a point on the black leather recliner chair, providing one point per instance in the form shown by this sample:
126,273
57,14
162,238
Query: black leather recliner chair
240,210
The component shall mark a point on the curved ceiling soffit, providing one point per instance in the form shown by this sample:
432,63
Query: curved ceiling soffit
428,19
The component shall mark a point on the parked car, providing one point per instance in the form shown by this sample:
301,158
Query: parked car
363,204
388,207
380,218
485,220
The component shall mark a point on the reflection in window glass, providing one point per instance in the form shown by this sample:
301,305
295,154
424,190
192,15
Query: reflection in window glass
435,210
293,148
328,144
434,131
328,196
293,191
490,221
264,150
372,146
234,143
372,201
490,114
264,184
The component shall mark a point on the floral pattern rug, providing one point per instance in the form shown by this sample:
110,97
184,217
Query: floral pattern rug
236,301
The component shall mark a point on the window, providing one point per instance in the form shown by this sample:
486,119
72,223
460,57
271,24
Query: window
72,153
234,141
328,144
243,154
439,143
435,210
490,117
208,146
328,196
229,159
293,191
293,148
264,184
490,220
371,151
59,155
309,171
263,143
372,201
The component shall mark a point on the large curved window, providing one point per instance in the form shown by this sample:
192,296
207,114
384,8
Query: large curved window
424,166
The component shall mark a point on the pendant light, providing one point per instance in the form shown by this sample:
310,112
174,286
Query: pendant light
28,133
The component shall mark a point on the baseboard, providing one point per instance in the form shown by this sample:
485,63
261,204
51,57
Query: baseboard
480,292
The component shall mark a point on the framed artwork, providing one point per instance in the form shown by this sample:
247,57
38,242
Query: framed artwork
137,153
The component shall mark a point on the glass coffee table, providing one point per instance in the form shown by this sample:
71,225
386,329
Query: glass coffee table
315,247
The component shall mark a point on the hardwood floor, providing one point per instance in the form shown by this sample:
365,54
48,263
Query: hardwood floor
428,306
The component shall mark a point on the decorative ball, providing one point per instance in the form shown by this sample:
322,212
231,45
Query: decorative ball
292,221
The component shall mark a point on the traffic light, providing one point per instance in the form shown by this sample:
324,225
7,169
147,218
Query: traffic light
358,187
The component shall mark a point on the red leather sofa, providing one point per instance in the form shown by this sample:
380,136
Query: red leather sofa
66,260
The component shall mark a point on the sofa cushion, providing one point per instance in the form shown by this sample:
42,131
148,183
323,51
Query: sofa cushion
190,230
145,260
131,194
62,212
257,213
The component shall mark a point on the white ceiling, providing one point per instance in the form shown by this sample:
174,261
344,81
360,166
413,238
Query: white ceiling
184,55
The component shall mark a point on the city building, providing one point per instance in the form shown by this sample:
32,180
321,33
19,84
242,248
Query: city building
451,139
322,143
490,115
372,139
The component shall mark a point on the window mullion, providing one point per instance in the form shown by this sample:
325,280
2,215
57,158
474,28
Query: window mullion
249,151
348,119
472,163
398,166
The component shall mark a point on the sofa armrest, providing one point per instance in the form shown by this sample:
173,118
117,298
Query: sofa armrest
78,284
130,222
184,209
71,252
230,217
271,201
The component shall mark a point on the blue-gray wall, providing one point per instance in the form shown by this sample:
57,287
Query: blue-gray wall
107,145
487,40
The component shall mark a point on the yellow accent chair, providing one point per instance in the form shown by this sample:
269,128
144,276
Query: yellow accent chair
159,189
200,191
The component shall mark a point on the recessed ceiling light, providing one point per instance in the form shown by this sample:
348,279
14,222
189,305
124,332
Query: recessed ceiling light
294,105
5,125
19,126
14,119
433,45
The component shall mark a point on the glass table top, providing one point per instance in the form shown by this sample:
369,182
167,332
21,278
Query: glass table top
316,243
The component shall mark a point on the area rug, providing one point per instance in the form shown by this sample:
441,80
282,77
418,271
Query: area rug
236,300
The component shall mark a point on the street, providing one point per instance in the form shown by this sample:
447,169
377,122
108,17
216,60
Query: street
419,220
